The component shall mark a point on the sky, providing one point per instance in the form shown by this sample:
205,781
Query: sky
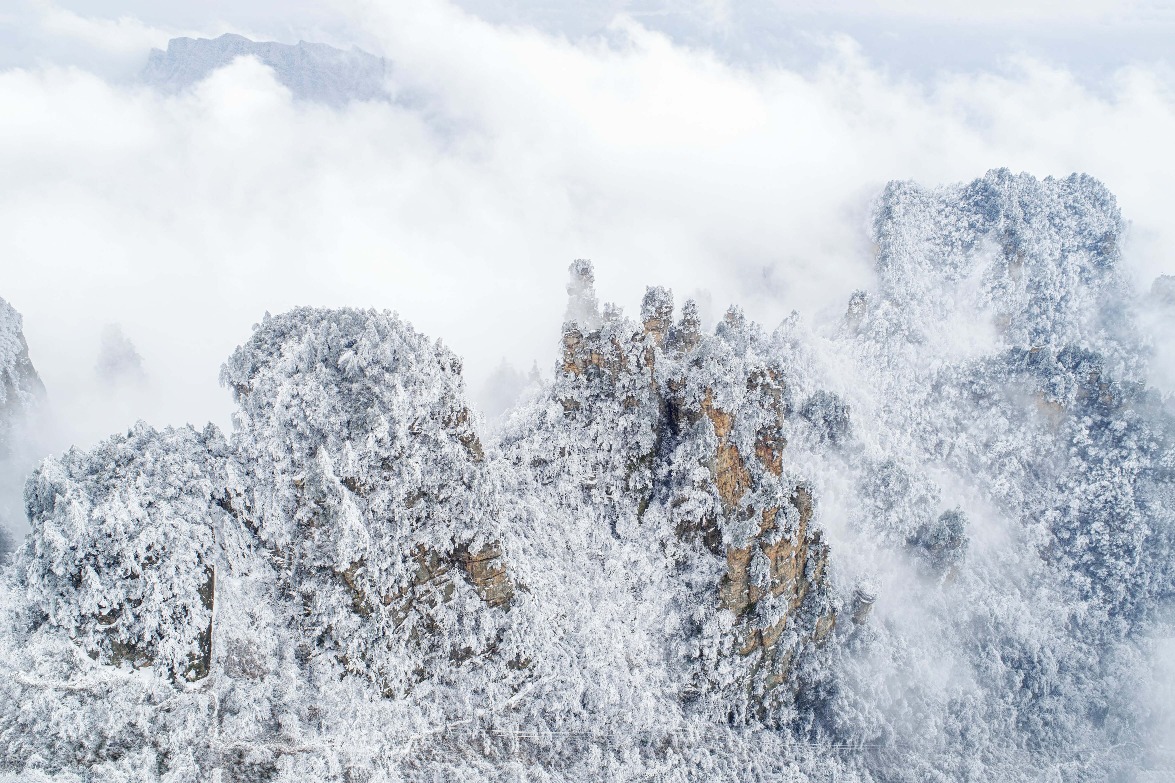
729,151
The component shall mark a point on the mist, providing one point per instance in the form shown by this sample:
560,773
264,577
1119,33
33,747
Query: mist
511,152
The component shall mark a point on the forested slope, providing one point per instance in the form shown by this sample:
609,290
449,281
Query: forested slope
930,541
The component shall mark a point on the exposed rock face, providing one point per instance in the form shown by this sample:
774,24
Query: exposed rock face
687,402
311,71
790,576
356,536
348,532
485,569
364,474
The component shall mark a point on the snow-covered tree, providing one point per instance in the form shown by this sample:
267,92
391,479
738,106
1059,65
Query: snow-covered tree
365,479
930,541
122,553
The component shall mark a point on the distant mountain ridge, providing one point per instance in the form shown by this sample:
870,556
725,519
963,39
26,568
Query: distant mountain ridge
311,71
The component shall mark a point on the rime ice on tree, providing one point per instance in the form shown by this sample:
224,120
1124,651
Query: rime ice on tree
930,542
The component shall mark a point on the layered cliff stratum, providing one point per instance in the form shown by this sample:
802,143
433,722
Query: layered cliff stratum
930,541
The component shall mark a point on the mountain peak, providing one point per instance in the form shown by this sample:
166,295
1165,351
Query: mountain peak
311,71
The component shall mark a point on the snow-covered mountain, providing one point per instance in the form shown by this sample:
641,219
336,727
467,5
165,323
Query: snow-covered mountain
20,386
21,392
311,71
931,541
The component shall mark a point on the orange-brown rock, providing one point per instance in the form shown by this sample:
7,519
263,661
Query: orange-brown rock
485,569
731,476
774,582
657,314
788,559
581,352
723,422
769,449
824,627
432,583
734,591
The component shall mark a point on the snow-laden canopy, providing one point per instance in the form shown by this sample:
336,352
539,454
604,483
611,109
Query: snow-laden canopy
932,540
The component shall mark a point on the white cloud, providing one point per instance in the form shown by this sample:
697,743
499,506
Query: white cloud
35,32
184,218
989,10
126,35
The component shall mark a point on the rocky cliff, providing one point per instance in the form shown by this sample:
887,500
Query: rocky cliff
679,435
20,386
21,395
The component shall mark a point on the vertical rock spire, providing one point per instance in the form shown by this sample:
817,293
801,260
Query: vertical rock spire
657,312
583,308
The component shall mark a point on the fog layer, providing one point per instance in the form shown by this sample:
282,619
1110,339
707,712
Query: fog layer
509,152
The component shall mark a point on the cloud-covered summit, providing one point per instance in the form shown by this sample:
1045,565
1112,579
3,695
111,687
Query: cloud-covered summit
311,71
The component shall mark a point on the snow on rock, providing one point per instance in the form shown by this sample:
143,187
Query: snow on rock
21,398
121,553
20,387
675,438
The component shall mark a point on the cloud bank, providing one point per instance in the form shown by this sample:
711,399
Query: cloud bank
510,152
